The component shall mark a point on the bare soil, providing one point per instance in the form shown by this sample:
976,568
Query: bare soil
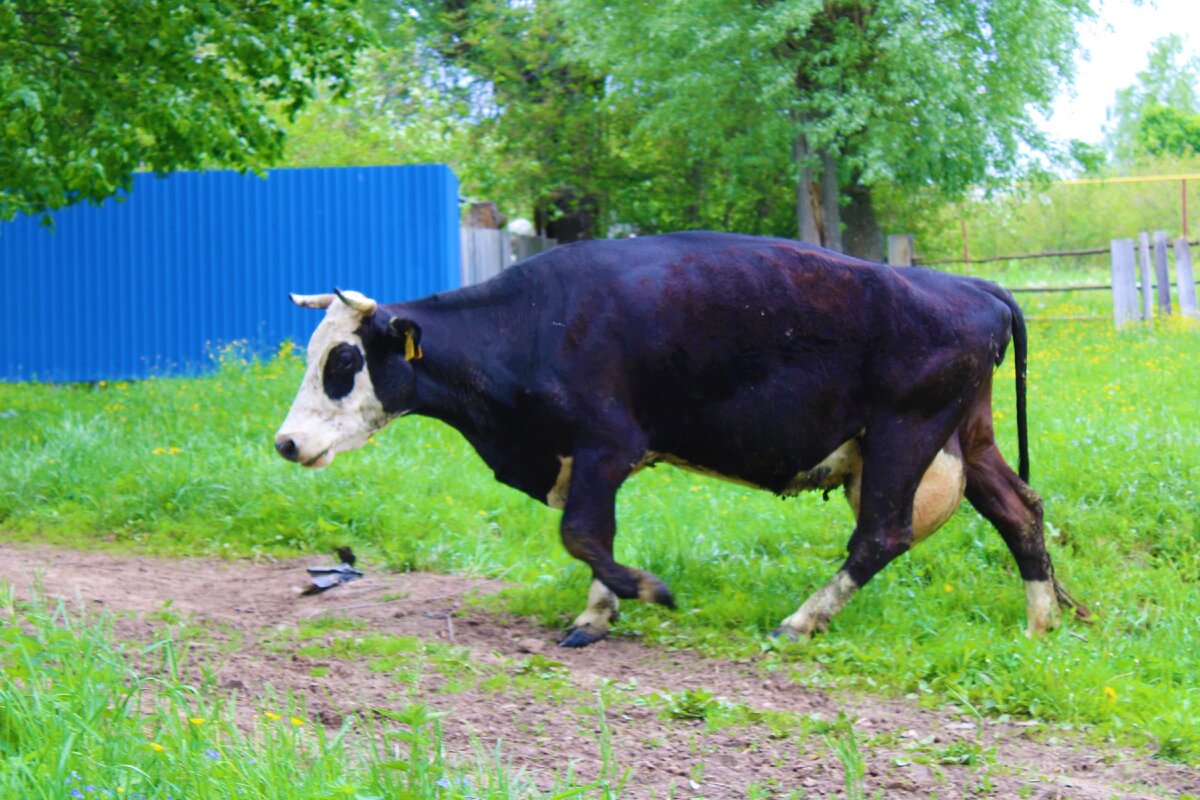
249,603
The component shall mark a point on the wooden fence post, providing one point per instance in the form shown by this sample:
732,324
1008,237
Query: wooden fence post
900,250
1161,274
1147,282
1187,283
1125,307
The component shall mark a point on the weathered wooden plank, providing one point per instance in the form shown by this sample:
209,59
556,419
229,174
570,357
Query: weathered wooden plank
900,249
1161,273
1185,278
1147,283
1125,306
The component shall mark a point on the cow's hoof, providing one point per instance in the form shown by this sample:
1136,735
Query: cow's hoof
787,634
652,590
582,636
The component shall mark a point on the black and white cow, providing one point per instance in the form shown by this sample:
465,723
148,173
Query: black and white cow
763,361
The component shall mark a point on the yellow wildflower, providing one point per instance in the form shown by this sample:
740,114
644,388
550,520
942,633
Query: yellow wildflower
271,715
297,721
196,720
156,747
1110,694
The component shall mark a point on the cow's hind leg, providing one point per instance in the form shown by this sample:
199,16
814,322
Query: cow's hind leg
895,456
588,529
1015,510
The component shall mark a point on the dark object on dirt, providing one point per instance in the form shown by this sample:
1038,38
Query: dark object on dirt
327,577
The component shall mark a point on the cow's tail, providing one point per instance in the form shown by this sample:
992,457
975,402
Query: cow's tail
1020,356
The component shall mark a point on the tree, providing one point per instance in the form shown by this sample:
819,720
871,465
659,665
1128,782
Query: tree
1157,107
836,97
92,90
1167,131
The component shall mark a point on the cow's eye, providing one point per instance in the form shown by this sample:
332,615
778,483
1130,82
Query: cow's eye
345,361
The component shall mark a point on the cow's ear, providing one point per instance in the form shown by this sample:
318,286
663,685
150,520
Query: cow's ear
408,332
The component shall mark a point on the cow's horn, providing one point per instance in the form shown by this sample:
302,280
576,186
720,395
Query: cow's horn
311,300
361,304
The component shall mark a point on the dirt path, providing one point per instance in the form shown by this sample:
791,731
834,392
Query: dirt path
909,751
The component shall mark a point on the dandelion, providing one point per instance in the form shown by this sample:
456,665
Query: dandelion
1110,694
174,451
158,451
271,715
196,720
948,588
156,747
297,721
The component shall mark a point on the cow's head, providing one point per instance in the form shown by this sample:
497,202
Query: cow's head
358,378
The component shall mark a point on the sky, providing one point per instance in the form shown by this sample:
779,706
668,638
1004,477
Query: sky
1115,46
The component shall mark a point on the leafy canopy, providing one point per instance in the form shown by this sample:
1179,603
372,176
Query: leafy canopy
1153,115
92,90
915,92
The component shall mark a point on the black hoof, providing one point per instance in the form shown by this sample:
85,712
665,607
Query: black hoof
582,637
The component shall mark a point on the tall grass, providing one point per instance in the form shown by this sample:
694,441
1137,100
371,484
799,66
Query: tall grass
186,466
84,716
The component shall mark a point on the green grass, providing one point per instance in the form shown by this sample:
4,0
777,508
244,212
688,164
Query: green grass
185,466
82,715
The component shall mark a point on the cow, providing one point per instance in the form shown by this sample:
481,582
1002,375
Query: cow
764,361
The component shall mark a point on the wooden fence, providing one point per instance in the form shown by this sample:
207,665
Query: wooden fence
485,252
1154,283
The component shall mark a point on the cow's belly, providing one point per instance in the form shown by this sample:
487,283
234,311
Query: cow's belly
938,496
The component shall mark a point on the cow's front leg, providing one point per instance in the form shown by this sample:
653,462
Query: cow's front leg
588,528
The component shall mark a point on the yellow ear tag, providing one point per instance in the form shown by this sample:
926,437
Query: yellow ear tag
412,350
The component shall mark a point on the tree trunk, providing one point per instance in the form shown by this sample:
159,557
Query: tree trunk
863,237
806,214
831,215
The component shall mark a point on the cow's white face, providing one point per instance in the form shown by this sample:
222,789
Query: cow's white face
337,407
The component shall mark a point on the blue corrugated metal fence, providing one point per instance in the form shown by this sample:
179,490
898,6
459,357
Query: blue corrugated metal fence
154,284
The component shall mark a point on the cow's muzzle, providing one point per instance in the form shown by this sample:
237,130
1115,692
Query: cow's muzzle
286,447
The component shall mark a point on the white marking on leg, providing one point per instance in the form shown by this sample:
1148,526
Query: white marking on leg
817,610
601,609
1041,607
557,496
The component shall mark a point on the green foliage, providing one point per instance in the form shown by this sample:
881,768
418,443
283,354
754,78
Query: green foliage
1170,79
1167,131
92,90
721,91
1038,217
82,715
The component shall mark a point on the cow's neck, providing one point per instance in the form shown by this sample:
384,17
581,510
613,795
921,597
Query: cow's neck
464,377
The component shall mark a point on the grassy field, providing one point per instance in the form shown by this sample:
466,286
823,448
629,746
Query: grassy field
83,715
185,466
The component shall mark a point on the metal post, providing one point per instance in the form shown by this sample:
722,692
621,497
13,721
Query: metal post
1124,285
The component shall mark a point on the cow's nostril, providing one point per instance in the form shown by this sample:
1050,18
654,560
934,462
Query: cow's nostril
286,446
